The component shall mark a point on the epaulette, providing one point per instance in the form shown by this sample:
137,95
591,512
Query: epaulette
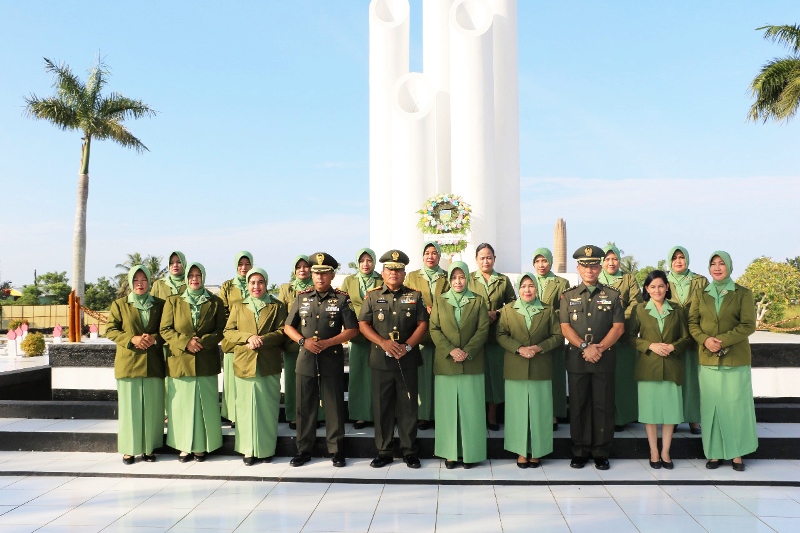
375,288
610,288
307,290
569,289
338,291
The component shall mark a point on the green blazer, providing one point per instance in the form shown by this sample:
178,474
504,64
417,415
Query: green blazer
177,330
734,324
242,325
650,366
552,292
499,294
470,336
697,283
287,294
629,293
545,332
161,290
350,286
230,295
124,323
417,281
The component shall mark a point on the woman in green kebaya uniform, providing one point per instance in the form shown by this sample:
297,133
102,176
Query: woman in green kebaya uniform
530,333
254,332
430,281
625,389
133,324
459,327
496,290
231,292
683,283
722,317
175,281
359,390
192,325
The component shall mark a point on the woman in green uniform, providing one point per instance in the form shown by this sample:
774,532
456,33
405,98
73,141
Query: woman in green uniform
459,326
722,317
683,283
231,292
625,389
359,390
430,281
192,326
255,333
175,281
530,333
550,288
496,290
133,324
662,341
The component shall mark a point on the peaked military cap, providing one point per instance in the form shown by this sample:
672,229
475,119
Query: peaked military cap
322,262
589,255
394,260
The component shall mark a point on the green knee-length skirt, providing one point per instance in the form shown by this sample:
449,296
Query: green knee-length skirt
691,386
493,370
359,388
141,415
425,383
193,410
660,402
228,407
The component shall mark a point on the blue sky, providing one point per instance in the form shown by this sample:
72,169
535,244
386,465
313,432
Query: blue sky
632,128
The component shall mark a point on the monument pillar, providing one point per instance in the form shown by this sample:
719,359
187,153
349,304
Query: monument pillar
560,247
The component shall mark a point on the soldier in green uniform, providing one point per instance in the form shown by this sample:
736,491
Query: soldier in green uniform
592,320
394,319
320,321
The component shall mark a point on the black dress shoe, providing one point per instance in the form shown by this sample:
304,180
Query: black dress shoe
467,466
534,464
292,425
128,459
493,427
200,457
320,423
555,426
450,464
667,464
338,460
617,429
655,465
739,467
578,462
411,460
695,431
149,458
185,458
522,465
359,424
713,465
422,425
266,459
300,458
601,463
380,461
249,461
233,425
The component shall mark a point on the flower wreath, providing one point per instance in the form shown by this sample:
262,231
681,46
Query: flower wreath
446,220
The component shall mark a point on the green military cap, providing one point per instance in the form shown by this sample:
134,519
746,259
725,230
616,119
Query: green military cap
589,255
394,260
322,262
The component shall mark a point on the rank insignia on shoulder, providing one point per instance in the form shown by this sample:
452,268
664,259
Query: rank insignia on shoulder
569,289
338,291
306,291
375,288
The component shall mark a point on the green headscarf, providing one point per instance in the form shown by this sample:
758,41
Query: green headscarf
253,303
195,297
718,289
176,282
366,281
144,302
458,299
300,285
432,274
528,309
541,281
240,282
605,277
666,308
683,281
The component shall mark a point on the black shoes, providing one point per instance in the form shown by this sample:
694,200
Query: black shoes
578,462
381,461
185,458
617,429
292,425
713,464
695,430
249,461
534,463
411,460
300,458
656,465
359,424
128,459
739,467
450,464
493,427
523,465
467,466
149,458
338,460
601,463
422,425
199,457
667,464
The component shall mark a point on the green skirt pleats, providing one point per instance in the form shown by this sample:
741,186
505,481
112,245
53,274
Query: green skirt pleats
258,406
660,402
626,393
727,412
425,383
228,407
141,415
529,417
691,386
359,389
559,383
460,418
493,370
193,410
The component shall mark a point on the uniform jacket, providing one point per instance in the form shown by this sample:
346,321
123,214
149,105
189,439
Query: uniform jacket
177,330
242,325
161,290
651,366
124,323
552,292
350,286
470,336
513,332
697,283
499,294
734,324
230,295
416,280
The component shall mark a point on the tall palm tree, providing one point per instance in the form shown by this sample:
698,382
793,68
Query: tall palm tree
777,87
153,264
81,106
122,278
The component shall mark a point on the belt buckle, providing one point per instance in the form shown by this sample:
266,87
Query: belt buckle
589,338
394,335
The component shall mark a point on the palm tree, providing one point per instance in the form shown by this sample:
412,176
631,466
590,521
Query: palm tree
153,264
81,106
777,87
122,278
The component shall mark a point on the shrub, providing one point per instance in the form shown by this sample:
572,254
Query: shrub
33,344
14,324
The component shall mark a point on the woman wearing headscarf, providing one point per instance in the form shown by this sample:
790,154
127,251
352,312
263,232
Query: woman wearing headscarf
722,317
459,326
192,326
255,332
683,283
430,281
496,290
530,333
661,343
133,324
549,291
625,389
231,292
359,390
175,280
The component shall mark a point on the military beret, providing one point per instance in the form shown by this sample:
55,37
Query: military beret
322,262
589,255
394,260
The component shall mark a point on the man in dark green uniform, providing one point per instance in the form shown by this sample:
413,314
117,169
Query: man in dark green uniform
592,320
394,319
320,321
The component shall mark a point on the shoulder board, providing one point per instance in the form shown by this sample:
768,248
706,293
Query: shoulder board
307,290
375,288
569,288
337,291
610,288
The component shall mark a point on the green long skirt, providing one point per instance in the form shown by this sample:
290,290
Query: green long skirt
460,418
559,383
425,383
660,402
141,415
359,389
691,386
529,417
258,405
493,370
228,407
727,412
290,389
193,410
626,393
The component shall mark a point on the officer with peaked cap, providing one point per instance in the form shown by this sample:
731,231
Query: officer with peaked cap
394,319
592,320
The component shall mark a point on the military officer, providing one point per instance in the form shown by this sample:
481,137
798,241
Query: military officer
592,320
320,321
394,319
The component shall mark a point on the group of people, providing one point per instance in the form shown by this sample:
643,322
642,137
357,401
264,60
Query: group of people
440,349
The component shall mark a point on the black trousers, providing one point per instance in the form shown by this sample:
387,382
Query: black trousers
308,405
591,413
392,407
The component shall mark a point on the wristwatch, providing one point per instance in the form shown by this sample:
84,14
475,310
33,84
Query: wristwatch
583,345
408,348
301,341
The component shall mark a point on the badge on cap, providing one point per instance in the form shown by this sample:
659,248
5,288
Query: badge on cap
320,258
395,255
588,251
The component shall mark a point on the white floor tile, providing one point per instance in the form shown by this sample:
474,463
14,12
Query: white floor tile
403,505
589,506
770,507
714,507
260,521
342,521
392,522
528,506
728,524
19,497
32,515
580,523
212,518
661,524
156,517
782,525
463,523
526,523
